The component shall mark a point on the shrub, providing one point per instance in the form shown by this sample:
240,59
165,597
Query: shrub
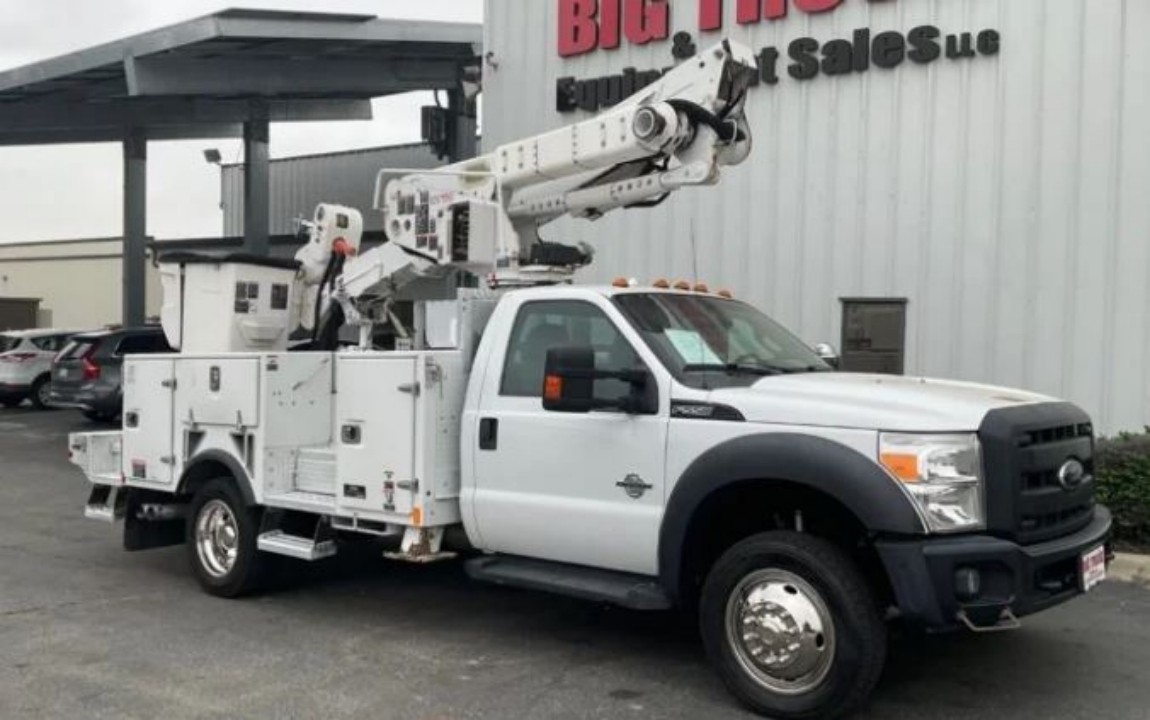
1122,467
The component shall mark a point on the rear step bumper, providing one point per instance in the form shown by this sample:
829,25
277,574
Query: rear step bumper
637,592
105,504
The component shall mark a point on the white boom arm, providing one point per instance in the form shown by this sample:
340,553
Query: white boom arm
483,215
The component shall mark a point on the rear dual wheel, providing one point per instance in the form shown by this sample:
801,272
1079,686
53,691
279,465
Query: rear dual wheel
221,540
792,627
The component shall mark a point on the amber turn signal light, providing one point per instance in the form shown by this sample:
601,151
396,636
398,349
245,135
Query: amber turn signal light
553,387
902,466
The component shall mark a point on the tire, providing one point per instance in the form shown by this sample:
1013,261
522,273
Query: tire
799,581
219,503
40,392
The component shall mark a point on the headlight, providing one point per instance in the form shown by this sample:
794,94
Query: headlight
942,476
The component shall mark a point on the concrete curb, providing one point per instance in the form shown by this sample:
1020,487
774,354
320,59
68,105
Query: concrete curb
1131,568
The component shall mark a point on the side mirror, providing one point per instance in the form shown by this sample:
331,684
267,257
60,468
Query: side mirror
828,354
569,385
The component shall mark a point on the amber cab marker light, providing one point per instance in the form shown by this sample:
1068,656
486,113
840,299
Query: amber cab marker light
553,387
902,466
702,288
661,284
727,294
621,282
683,285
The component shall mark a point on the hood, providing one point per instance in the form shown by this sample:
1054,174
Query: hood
873,402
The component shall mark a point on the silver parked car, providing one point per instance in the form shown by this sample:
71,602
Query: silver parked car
26,365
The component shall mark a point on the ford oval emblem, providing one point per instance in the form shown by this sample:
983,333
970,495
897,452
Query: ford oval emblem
1071,474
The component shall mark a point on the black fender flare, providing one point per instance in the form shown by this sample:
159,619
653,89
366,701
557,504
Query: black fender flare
237,470
852,479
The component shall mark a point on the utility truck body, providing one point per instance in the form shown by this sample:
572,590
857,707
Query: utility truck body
647,446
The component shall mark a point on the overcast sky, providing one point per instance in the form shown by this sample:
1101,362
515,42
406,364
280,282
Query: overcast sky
75,191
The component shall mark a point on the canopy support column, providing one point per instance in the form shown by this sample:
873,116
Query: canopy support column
135,146
257,183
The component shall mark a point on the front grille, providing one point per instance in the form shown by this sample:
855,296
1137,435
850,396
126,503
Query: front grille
1024,448
1055,434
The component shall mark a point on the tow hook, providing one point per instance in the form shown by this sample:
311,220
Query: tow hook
1006,621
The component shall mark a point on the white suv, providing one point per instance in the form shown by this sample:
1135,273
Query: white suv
26,365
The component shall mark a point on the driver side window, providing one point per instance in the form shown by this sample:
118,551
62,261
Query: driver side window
542,326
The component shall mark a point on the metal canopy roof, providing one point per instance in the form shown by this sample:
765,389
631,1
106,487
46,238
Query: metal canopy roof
204,77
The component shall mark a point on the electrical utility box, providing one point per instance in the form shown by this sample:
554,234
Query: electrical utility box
237,303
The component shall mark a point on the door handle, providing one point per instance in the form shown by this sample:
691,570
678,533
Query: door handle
488,434
634,486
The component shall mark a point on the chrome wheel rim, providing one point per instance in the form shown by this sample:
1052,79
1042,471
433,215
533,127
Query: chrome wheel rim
781,631
217,538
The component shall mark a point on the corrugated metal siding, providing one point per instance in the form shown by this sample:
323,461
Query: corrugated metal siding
1005,197
299,184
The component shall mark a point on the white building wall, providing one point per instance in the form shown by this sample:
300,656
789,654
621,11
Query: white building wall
1005,197
79,282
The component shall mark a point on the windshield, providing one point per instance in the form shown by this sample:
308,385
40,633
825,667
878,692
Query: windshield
709,342
8,343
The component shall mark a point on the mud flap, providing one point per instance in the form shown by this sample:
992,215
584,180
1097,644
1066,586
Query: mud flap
142,534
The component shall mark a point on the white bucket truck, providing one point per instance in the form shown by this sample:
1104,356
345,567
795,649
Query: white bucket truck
653,447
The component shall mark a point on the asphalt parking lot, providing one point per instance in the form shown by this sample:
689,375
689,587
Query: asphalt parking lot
88,631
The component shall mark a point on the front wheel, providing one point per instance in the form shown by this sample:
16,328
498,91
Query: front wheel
792,627
221,539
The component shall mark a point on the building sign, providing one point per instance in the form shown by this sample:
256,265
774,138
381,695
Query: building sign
586,26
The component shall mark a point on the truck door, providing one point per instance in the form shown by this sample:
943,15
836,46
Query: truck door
587,488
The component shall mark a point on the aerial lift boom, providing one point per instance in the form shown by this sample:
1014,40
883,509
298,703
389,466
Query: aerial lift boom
483,215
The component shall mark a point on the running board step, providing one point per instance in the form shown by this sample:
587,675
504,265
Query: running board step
636,592
293,546
105,504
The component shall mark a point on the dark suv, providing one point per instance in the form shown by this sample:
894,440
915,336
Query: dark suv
86,373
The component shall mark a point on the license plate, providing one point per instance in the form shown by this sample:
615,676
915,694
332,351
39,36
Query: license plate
1093,566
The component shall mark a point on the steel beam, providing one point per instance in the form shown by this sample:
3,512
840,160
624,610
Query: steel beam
166,76
257,184
135,144
157,113
167,132
415,32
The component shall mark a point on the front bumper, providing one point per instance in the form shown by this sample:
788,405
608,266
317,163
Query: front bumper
1021,579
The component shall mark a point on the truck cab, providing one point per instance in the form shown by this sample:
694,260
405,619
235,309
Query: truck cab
722,400
687,439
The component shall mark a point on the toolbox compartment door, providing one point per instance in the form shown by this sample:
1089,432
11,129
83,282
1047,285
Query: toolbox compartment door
219,391
148,439
375,435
